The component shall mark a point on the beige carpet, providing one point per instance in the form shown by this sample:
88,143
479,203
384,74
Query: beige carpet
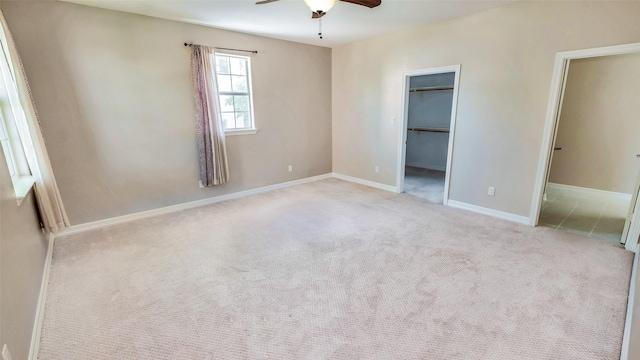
333,270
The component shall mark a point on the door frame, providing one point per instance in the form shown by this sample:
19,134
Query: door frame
402,138
551,126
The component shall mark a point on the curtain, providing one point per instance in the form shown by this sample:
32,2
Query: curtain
47,194
212,151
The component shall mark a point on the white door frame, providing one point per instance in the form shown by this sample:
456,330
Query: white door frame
551,124
402,138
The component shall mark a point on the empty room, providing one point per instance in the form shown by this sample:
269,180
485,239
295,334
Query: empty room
319,179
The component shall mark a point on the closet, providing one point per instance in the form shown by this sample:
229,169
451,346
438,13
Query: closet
428,126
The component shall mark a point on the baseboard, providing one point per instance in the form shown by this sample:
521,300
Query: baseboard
185,206
626,337
365,182
583,192
486,211
42,298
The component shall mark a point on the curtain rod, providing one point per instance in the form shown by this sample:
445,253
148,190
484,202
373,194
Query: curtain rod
221,48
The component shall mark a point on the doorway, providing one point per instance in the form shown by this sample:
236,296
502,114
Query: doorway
427,133
588,170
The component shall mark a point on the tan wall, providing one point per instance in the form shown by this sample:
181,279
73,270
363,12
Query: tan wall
598,125
23,249
507,57
114,95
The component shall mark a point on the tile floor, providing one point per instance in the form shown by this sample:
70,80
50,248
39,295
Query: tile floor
595,218
424,183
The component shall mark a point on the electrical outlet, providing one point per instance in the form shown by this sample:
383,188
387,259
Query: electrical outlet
5,353
393,120
492,191
377,169
290,168
200,184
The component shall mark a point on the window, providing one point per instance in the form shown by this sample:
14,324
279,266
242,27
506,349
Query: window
234,90
6,148
11,113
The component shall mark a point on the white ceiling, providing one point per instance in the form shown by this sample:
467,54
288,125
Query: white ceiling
291,19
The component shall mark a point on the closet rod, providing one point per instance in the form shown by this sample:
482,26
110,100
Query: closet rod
434,130
431,88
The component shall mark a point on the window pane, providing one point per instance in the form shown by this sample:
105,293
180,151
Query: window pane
239,84
222,64
238,66
226,103
243,120
6,147
228,120
224,83
241,103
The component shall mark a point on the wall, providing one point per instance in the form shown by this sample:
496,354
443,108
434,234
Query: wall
598,125
113,91
507,56
430,109
23,249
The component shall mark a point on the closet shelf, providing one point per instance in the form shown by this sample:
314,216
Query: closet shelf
434,130
431,88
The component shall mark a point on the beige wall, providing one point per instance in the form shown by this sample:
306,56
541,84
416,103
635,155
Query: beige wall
114,95
598,128
507,57
23,250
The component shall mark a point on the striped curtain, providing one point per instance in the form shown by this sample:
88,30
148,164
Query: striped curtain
212,151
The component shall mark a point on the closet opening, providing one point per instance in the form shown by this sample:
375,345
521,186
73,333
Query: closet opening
426,147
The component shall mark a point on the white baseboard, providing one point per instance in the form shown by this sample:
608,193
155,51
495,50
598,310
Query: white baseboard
491,212
42,298
185,206
626,337
366,182
582,192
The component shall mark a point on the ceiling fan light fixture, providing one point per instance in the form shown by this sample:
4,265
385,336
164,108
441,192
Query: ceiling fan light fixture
320,6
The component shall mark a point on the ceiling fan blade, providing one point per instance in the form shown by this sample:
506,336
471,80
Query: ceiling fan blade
265,2
367,3
315,15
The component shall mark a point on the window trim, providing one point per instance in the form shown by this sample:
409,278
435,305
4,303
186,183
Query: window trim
10,112
239,131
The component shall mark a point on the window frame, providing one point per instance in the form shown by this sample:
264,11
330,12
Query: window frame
11,112
252,129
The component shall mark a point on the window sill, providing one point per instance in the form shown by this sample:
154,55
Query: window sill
22,186
241,132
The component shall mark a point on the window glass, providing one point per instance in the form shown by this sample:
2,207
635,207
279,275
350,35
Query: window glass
234,91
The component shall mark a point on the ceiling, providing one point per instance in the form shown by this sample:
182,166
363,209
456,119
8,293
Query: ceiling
291,19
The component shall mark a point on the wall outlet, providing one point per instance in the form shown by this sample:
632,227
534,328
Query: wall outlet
492,191
5,353
290,168
393,120
377,169
200,184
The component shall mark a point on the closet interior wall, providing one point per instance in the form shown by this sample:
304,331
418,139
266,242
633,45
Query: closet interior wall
429,120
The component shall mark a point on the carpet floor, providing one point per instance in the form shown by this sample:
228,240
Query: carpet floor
333,270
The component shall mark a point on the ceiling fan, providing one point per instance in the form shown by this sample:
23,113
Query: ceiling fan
319,8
